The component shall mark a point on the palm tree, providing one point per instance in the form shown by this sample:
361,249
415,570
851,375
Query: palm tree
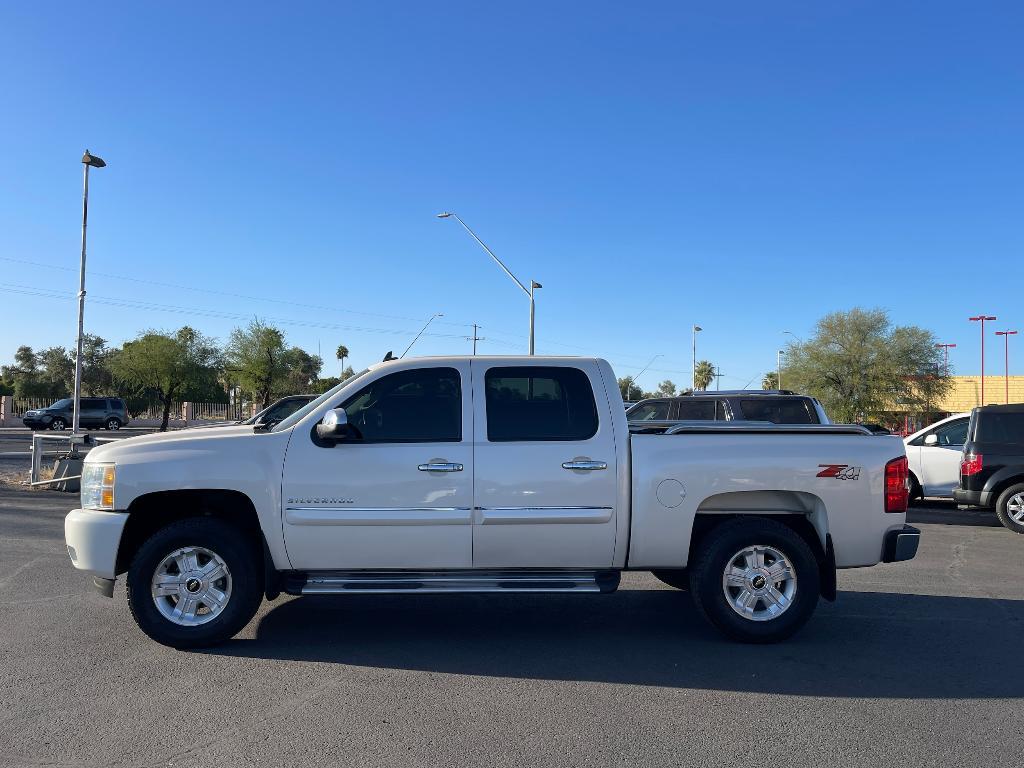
770,380
342,354
703,375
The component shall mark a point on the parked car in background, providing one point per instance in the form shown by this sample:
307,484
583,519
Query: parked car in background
96,412
281,409
933,454
876,429
778,406
992,468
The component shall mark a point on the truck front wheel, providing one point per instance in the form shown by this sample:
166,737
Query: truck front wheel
756,580
195,583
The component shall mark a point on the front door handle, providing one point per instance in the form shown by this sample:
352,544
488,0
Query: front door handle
440,466
590,465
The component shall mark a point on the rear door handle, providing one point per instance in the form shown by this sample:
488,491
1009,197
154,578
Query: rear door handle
590,465
440,466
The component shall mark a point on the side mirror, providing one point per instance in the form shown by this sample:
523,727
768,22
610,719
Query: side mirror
333,426
931,439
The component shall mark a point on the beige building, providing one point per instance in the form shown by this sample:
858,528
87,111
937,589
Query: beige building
966,392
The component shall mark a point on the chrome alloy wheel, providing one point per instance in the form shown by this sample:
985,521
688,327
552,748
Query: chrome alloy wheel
191,586
759,583
1015,508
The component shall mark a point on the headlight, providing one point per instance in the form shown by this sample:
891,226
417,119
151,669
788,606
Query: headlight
97,486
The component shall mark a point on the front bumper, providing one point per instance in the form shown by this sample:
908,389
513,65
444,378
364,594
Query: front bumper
93,538
32,422
901,544
973,498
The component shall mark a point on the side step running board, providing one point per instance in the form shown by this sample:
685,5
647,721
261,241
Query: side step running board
436,582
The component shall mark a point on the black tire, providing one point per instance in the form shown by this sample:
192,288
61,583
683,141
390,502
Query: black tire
243,559
113,424
916,491
717,551
1002,508
674,577
58,424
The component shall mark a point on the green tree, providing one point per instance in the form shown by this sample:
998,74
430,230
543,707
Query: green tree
257,357
342,353
168,366
703,375
96,376
770,380
348,373
861,366
302,372
665,389
629,390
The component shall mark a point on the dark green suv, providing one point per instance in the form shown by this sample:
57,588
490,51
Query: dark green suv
96,412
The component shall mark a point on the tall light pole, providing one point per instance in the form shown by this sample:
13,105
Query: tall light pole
778,368
945,350
528,291
982,319
696,329
432,317
88,161
1006,357
790,333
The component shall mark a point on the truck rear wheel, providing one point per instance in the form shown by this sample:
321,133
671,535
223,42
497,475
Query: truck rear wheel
1010,508
756,580
195,583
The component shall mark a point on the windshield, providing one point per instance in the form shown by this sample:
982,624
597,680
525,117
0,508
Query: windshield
300,414
65,403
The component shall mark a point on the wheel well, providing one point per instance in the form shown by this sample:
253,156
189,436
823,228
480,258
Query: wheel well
704,524
150,513
1002,485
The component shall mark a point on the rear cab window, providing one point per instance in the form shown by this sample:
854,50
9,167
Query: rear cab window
539,403
779,410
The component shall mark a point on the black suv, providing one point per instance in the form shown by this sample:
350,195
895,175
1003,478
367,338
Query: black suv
779,406
992,465
106,412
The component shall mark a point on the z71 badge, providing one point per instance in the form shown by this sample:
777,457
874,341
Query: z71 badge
839,471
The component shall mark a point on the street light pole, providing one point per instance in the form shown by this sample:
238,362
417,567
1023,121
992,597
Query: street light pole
88,161
630,380
528,291
696,329
982,319
945,349
1006,359
778,368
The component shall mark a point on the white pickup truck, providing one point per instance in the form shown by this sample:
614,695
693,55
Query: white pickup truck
485,474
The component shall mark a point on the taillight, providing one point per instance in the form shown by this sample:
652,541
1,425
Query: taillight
897,485
970,464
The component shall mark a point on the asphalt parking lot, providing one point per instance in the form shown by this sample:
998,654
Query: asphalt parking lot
916,664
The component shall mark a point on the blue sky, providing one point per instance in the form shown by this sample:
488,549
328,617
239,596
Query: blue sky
747,166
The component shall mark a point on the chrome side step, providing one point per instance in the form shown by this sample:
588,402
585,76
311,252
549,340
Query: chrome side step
437,582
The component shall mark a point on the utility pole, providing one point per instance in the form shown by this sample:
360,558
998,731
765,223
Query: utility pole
718,378
474,338
696,330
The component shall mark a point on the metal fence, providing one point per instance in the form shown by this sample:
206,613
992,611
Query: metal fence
22,404
217,411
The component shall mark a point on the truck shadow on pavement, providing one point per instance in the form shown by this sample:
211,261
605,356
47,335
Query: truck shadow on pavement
870,645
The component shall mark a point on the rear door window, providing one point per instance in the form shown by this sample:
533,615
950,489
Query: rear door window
696,410
653,411
995,427
778,410
539,403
